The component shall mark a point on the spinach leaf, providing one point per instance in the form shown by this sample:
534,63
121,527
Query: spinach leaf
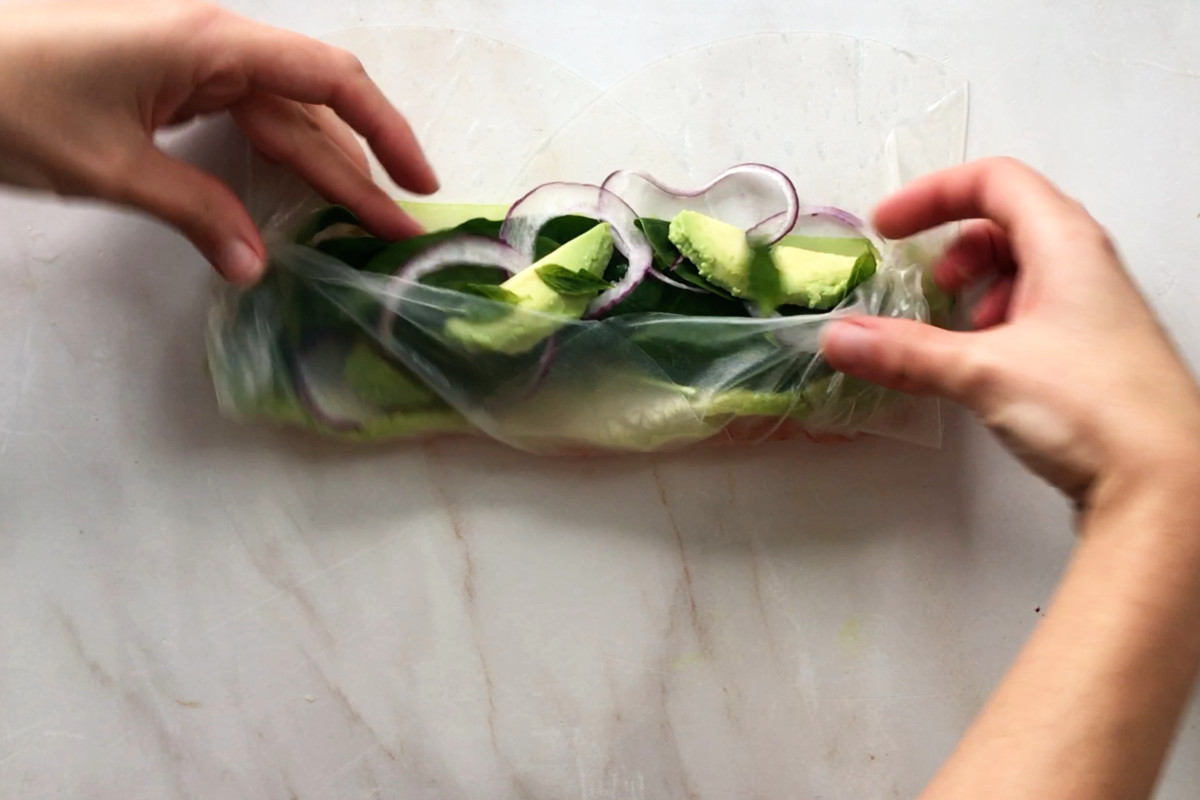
543,247
656,231
569,282
456,276
645,298
355,251
563,229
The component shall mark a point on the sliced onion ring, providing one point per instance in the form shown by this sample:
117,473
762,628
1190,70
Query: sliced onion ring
767,228
841,215
528,215
317,374
465,249
837,215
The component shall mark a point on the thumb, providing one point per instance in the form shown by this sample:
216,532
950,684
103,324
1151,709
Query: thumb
900,354
204,210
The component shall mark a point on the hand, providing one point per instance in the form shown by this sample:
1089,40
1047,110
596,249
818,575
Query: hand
1067,363
84,86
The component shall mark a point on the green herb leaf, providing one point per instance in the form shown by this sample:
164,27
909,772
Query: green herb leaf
570,282
763,280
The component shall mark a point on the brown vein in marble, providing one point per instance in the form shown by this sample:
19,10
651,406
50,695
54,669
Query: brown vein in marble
701,635
136,703
438,479
352,712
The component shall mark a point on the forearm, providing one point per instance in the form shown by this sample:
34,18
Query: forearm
1089,708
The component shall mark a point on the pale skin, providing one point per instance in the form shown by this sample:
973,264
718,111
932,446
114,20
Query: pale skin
1070,368
1067,364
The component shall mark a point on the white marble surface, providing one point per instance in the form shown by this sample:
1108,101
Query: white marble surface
193,609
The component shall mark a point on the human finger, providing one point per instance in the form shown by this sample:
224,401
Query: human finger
982,250
306,70
286,133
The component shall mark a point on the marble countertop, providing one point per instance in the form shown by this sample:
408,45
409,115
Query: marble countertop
191,608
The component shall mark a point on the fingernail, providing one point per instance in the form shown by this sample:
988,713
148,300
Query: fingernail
849,345
238,262
434,183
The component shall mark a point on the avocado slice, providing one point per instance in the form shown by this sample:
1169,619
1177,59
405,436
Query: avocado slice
385,384
517,332
814,272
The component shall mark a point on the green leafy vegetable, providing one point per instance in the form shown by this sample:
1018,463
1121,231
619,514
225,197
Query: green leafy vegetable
665,252
355,251
456,276
571,283
396,255
561,230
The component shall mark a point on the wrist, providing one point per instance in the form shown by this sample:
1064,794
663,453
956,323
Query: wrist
1156,484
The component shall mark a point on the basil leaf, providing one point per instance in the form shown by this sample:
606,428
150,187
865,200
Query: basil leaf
569,282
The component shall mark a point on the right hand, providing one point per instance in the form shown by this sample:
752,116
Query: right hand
1067,364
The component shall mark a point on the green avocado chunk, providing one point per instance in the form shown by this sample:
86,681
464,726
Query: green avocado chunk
585,256
383,384
811,276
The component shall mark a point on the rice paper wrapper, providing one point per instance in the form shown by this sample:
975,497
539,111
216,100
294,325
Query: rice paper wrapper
848,121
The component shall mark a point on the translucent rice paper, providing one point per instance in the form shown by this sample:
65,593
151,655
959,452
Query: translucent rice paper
848,121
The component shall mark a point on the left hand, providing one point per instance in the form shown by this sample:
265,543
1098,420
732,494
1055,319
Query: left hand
85,85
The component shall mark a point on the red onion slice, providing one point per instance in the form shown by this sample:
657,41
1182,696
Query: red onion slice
550,200
841,215
466,249
758,198
322,389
